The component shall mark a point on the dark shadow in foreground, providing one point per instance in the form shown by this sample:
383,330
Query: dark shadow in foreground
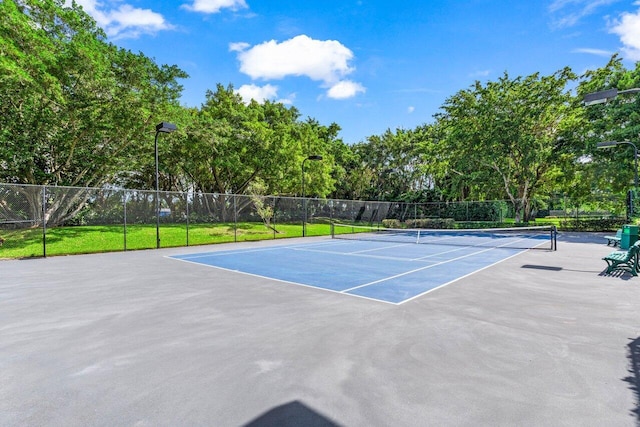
634,375
291,414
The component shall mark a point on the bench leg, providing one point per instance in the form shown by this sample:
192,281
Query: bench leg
631,266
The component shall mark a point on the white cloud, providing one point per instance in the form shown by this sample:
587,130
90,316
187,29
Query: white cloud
597,52
326,61
258,93
569,12
214,6
628,29
126,21
345,89
480,73
411,109
238,47
287,101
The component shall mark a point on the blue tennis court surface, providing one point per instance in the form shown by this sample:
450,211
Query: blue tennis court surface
382,271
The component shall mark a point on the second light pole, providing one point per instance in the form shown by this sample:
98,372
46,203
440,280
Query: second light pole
163,127
304,200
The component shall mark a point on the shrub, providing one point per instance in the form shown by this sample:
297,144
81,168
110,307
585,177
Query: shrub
609,224
392,223
437,223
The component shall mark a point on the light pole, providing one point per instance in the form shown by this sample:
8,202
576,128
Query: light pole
304,200
163,127
603,97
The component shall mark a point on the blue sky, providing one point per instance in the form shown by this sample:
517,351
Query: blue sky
367,65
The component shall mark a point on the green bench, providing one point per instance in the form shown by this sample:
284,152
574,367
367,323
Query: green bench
624,260
614,240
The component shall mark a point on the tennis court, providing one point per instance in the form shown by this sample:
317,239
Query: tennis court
393,266
136,338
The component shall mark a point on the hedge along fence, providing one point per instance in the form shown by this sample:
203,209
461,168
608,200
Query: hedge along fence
458,211
607,224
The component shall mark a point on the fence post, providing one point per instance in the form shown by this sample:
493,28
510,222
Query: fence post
274,217
186,201
124,205
44,221
235,220
331,211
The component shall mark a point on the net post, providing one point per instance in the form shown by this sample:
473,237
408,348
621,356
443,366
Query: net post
333,233
554,241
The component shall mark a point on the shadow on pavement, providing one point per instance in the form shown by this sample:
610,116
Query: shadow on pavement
582,237
291,414
634,378
620,274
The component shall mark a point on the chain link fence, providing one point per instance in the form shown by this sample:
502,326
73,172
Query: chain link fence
46,220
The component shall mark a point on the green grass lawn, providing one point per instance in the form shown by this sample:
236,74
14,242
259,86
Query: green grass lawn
70,240
109,238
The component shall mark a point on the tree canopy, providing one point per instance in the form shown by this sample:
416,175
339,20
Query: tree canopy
509,138
79,111
76,109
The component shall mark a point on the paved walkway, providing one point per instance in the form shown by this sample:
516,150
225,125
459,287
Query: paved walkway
124,339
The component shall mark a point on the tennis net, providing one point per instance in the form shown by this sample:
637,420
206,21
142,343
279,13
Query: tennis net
536,237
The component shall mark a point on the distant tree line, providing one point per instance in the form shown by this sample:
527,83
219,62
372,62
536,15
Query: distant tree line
78,111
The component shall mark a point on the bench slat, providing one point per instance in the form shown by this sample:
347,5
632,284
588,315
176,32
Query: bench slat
624,260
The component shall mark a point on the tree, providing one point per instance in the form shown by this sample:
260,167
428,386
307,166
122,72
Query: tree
610,171
75,108
508,138
265,211
387,167
230,145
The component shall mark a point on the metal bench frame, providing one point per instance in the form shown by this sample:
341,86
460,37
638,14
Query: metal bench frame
624,260
614,240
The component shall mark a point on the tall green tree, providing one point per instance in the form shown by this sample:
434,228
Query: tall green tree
388,166
508,138
75,108
611,171
231,144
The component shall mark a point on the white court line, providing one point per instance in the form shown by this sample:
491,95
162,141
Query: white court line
504,245
458,278
382,248
283,281
359,254
343,292
442,253
423,268
244,251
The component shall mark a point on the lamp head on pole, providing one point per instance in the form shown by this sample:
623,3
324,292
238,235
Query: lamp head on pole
607,144
314,157
166,127
605,96
601,97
